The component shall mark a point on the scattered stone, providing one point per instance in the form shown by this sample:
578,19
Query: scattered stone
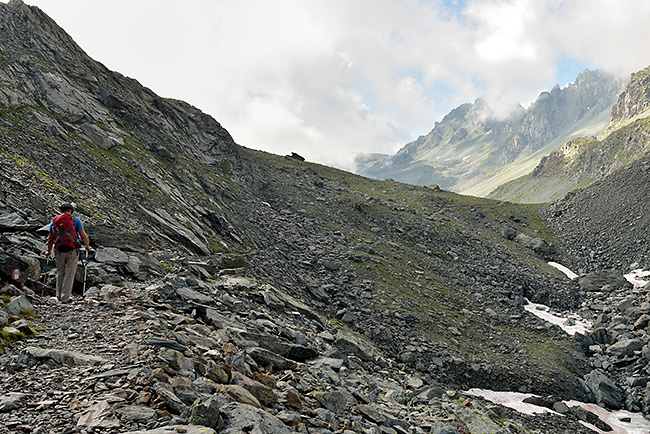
237,393
100,415
177,429
110,292
165,343
136,413
62,357
192,295
270,360
204,412
240,418
166,394
11,401
19,304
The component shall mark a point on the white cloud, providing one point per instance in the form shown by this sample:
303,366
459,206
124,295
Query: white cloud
324,78
501,33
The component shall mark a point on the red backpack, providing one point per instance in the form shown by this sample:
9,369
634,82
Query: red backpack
65,236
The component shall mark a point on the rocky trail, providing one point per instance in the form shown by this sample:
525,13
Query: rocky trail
229,354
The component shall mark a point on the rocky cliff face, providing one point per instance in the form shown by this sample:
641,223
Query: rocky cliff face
635,100
237,289
468,146
582,161
68,118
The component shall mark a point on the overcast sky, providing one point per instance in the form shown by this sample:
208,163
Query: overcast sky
326,78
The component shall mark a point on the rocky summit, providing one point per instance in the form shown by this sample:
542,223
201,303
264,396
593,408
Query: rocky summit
474,149
582,161
232,290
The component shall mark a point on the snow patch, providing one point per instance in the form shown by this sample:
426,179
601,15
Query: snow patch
571,324
635,278
570,274
637,423
514,400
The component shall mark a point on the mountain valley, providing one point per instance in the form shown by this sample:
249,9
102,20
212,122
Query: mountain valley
234,290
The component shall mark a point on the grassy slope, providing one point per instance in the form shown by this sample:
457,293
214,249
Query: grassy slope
429,249
579,163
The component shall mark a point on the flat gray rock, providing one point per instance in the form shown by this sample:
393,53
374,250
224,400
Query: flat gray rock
177,429
626,347
11,401
137,412
165,343
18,304
111,256
62,357
11,220
190,294
240,418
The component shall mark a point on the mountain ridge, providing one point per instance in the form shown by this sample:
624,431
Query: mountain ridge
582,161
466,148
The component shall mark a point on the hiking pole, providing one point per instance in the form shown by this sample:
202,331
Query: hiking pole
85,271
47,266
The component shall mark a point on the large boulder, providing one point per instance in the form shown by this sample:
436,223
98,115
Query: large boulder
240,418
538,245
603,281
12,221
62,357
204,412
19,304
111,256
348,343
12,267
604,390
625,347
11,401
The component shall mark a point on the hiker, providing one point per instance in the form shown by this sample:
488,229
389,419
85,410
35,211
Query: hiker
65,232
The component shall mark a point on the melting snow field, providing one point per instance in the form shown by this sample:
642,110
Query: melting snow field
514,400
573,324
617,420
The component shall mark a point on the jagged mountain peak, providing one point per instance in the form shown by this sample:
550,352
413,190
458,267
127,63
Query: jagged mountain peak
583,160
470,145
634,101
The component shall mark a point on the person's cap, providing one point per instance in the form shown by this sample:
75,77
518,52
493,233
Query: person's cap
66,205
